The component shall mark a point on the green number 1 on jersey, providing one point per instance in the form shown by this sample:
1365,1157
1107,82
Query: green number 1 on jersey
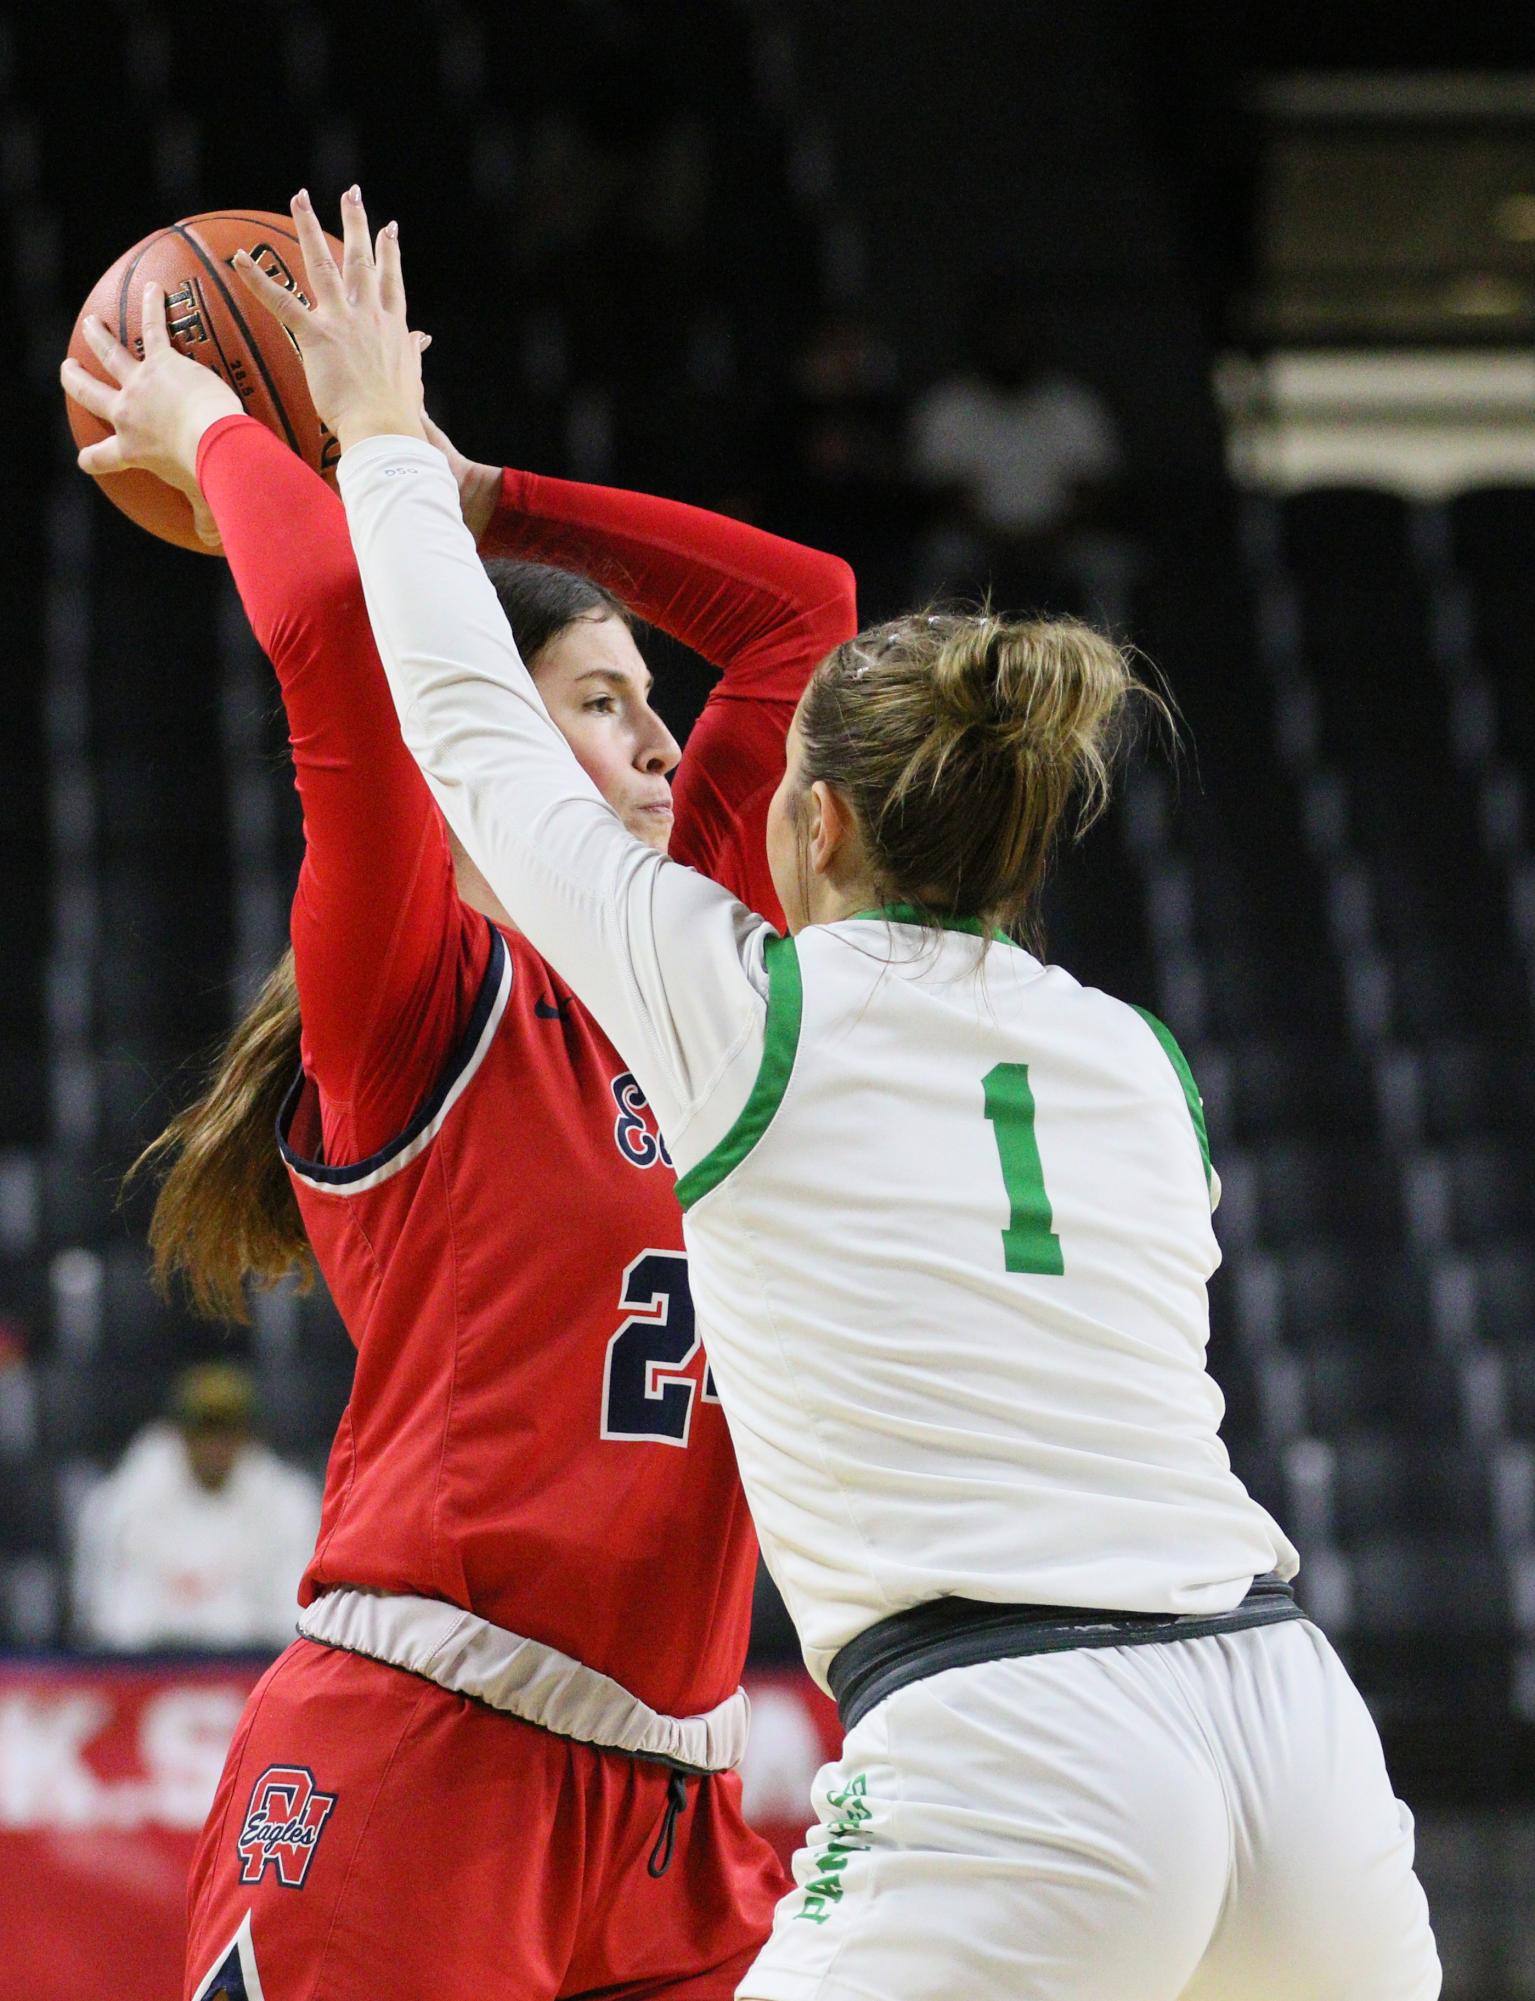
1029,1243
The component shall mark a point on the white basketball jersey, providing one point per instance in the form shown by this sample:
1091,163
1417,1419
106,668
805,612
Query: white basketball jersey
948,1212
950,1267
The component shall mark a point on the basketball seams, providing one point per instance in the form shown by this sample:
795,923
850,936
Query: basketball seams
213,335
256,355
273,225
135,259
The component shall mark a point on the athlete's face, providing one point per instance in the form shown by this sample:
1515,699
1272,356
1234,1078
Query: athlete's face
597,688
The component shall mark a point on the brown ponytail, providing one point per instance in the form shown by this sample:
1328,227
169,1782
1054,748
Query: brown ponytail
961,741
226,1211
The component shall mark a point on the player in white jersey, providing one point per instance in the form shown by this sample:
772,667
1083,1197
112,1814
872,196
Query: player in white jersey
949,1221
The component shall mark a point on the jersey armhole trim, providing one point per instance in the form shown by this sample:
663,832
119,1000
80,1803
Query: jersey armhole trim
785,1006
356,1177
1185,1077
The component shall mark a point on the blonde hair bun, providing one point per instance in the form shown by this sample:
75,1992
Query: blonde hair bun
961,740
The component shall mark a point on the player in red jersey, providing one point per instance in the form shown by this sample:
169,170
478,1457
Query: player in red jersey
500,1763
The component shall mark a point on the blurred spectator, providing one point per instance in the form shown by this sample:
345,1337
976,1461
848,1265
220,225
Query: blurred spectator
201,1534
1024,464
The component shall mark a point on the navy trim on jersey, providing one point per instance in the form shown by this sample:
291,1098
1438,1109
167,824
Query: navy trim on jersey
228,1978
355,1177
235,1971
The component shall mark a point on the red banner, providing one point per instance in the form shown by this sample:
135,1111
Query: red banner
107,1770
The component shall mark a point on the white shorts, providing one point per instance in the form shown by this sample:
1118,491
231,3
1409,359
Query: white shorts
1198,1820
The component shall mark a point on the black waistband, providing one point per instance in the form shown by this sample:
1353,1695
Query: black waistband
963,1632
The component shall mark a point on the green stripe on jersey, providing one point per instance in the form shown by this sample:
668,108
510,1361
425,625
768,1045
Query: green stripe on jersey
1179,1061
779,1043
936,920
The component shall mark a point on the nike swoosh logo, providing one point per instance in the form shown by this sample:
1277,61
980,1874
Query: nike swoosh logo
546,1012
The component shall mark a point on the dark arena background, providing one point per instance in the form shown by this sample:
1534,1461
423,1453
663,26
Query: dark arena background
1275,289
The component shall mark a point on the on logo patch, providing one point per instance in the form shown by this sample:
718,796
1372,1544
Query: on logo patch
282,1825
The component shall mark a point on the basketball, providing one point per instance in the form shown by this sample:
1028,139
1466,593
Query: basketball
213,319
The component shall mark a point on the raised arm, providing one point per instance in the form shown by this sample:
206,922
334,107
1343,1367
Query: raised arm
387,959
752,604
387,968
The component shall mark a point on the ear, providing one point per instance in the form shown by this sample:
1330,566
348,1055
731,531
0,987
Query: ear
831,833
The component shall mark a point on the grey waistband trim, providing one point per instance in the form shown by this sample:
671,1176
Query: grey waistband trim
467,1655
945,1633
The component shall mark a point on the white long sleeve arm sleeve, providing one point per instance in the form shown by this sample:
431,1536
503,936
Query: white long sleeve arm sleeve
668,962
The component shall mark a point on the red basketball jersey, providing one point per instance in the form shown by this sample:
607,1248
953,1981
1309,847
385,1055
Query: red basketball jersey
532,1432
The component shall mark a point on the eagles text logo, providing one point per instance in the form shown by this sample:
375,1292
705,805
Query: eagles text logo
282,1825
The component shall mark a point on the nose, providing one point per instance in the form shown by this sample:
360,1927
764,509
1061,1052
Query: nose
660,752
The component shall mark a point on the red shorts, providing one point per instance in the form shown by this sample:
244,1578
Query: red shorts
374,1836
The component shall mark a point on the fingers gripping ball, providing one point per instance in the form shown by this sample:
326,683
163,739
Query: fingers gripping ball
214,320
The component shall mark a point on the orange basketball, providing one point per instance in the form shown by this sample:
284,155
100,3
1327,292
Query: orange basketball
214,319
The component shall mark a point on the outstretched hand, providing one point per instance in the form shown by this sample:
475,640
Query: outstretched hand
158,409
362,362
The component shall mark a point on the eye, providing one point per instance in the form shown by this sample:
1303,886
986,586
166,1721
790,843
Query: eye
601,705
